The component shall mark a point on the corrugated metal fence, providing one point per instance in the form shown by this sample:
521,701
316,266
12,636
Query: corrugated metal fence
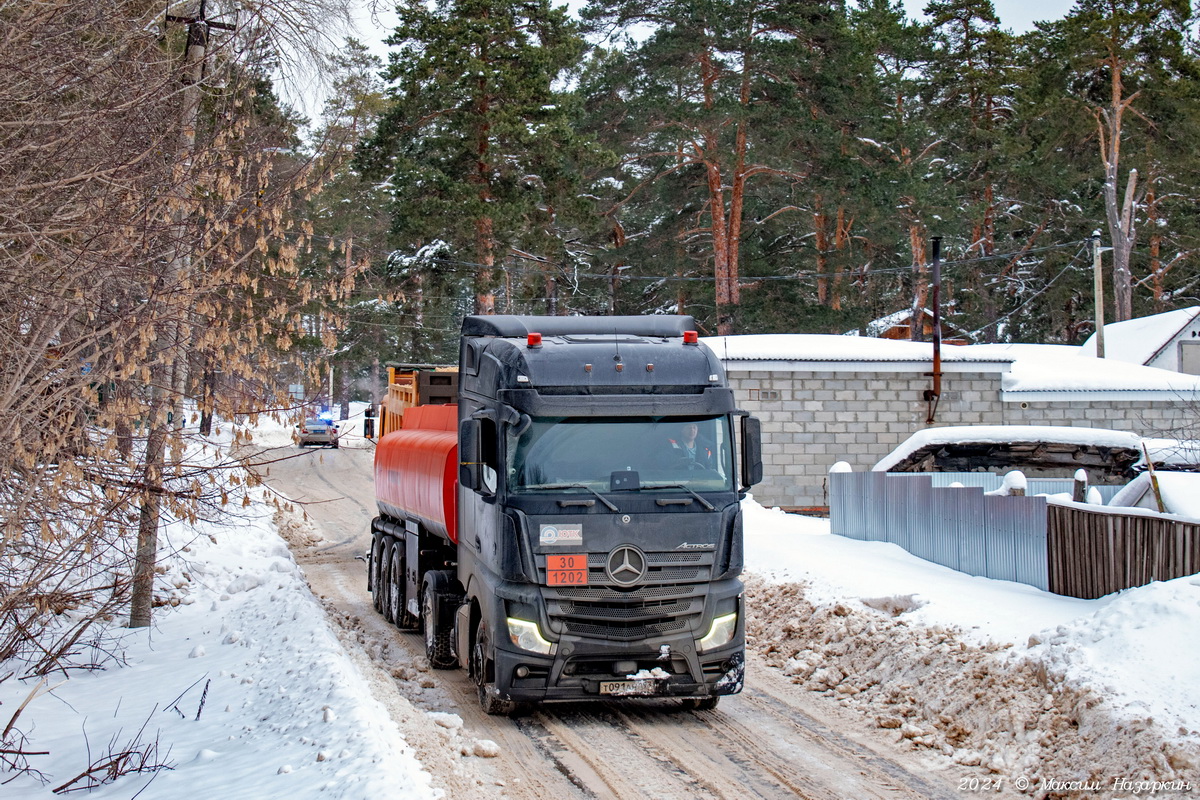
961,528
1061,549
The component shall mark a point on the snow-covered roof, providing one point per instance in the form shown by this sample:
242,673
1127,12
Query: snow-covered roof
795,349
1137,341
1067,374
1174,454
1029,371
1007,435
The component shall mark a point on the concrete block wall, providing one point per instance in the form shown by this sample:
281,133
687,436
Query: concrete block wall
812,419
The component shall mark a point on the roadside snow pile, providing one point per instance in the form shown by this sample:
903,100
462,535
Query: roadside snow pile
241,687
1129,651
986,673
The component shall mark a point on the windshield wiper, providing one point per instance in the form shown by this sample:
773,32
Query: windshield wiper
707,505
601,497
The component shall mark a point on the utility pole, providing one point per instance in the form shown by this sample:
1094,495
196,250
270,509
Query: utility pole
166,407
934,394
1098,280
195,60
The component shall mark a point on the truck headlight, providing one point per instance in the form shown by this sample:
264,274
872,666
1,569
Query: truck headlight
527,636
720,634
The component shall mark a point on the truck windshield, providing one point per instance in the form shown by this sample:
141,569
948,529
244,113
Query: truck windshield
581,454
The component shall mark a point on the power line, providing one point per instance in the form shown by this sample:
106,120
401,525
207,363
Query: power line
806,275
1033,296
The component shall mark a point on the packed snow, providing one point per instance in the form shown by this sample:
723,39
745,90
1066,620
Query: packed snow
245,691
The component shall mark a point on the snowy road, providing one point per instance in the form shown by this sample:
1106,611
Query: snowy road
773,741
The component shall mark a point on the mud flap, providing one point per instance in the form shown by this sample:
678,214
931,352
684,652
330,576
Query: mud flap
461,640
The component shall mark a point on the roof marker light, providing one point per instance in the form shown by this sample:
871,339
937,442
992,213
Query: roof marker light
534,340
649,368
587,367
691,337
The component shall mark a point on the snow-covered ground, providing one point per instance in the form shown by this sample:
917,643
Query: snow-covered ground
243,685
1135,646
240,686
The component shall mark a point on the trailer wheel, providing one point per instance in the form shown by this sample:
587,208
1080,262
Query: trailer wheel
375,573
393,592
483,673
397,612
437,633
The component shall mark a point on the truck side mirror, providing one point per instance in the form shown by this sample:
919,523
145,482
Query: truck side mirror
752,466
470,470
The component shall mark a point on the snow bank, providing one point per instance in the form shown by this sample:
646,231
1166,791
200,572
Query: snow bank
241,682
987,673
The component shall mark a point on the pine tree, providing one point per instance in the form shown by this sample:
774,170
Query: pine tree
476,137
1118,54
908,189
970,98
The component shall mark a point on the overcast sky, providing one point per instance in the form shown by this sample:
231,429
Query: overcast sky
375,19
1016,15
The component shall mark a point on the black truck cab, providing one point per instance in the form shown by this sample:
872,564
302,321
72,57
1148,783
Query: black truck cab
602,461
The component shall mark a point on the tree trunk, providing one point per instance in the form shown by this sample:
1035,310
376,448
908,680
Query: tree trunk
344,391
146,558
916,244
841,240
485,239
618,239
1120,215
822,241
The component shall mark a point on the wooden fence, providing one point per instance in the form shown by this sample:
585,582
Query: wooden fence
1093,553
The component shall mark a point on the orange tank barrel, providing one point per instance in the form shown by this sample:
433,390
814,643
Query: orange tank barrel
416,469
432,418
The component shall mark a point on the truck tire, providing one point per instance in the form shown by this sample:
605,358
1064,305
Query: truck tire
397,611
392,593
481,667
375,572
437,633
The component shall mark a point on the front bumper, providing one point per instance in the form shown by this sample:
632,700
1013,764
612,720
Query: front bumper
579,669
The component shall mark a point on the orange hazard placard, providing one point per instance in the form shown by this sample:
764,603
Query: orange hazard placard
566,570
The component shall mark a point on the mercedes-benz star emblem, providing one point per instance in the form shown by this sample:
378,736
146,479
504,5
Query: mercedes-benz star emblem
626,565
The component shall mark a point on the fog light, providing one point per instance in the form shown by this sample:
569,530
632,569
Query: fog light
522,671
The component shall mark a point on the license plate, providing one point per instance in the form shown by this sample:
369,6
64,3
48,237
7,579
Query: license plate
629,687
567,570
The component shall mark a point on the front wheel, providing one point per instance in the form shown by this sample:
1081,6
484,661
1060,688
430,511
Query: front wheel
483,672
